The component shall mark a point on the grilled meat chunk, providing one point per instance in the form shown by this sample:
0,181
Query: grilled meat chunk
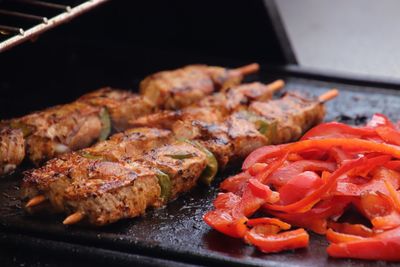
181,161
181,87
216,121
129,144
290,116
106,191
122,106
12,149
244,135
213,108
58,130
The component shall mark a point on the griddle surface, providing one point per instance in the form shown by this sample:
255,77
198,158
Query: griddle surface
177,232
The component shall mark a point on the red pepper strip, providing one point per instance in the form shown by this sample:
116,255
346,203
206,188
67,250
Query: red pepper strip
224,222
259,190
378,208
262,154
317,194
284,174
393,165
389,135
339,155
349,144
232,211
278,242
389,221
257,168
235,183
299,187
294,157
272,167
337,130
266,229
378,120
356,186
364,170
248,204
226,201
274,221
336,237
385,246
393,194
351,229
316,218
263,191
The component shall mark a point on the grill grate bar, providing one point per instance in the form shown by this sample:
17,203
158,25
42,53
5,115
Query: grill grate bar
45,4
16,34
23,15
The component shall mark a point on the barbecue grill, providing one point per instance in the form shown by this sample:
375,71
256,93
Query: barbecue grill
118,43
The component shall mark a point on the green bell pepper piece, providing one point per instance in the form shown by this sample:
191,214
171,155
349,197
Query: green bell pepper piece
105,124
165,183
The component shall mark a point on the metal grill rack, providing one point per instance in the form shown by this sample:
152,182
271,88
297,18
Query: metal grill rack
22,20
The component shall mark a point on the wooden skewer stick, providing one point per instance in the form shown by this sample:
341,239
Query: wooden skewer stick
35,201
248,69
329,95
74,218
277,85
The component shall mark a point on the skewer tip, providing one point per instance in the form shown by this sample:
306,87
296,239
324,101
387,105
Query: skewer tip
329,95
248,69
277,85
73,218
35,201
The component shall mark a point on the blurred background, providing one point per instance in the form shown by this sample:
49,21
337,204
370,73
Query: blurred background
357,36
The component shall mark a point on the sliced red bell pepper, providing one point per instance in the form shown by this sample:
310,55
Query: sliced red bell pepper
332,167
393,165
317,218
265,220
379,120
305,203
226,201
285,173
351,229
389,135
336,237
224,222
299,187
378,208
339,155
262,154
278,242
394,195
337,130
249,203
356,186
236,183
384,246
262,191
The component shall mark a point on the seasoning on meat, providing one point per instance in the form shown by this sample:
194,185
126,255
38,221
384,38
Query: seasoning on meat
92,117
147,167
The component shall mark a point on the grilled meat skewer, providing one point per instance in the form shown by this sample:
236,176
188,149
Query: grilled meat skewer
131,145
12,149
103,189
89,119
179,88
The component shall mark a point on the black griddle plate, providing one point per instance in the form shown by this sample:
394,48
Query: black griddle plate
177,232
